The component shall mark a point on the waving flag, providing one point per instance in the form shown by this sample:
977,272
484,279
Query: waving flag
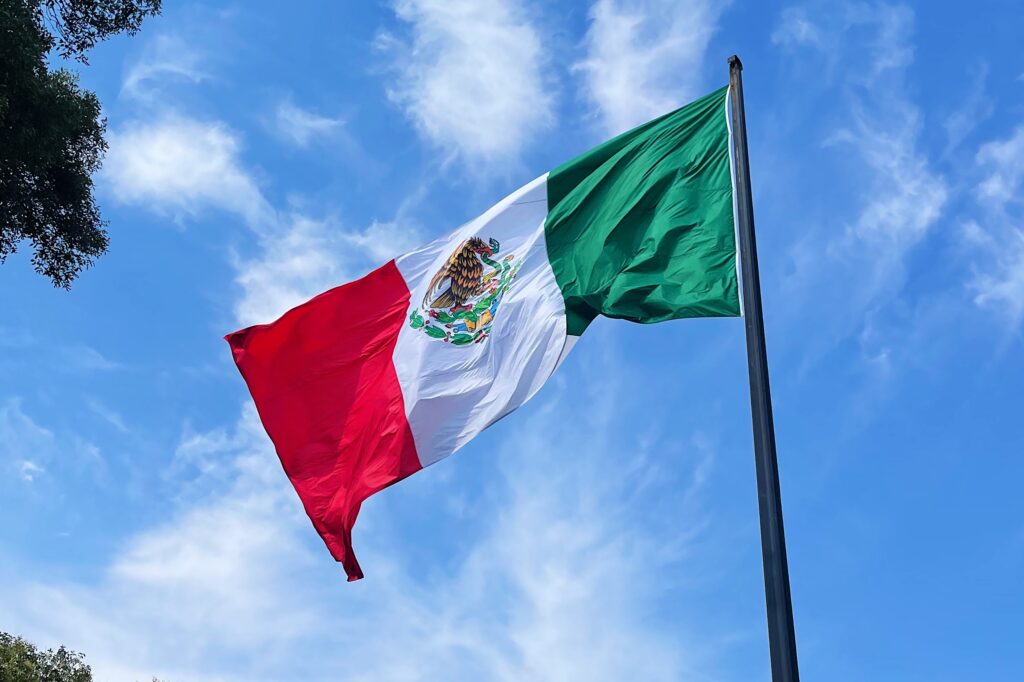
370,382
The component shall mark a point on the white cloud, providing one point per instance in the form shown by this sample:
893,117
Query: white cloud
382,241
1004,162
903,196
166,58
471,77
235,586
24,444
28,450
646,57
85,359
309,256
175,164
888,197
29,470
891,50
214,577
202,450
301,126
1003,289
107,414
180,166
227,551
998,280
907,195
294,265
975,107
75,358
797,29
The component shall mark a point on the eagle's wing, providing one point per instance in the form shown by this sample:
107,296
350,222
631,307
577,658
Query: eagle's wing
462,275
439,282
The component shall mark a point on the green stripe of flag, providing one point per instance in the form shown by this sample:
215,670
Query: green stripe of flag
641,227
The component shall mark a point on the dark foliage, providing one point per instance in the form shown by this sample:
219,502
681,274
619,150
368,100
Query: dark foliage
80,24
51,131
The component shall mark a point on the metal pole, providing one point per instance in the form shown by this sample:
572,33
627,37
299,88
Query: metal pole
781,635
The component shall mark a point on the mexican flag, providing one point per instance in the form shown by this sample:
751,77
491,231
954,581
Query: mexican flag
376,379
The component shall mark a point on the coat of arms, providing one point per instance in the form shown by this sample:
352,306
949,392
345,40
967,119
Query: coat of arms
463,297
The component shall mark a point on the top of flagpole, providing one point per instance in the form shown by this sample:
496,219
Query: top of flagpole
735,64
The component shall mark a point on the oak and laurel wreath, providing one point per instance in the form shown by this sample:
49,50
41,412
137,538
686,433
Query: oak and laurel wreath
438,323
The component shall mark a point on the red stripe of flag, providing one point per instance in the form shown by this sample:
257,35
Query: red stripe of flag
325,386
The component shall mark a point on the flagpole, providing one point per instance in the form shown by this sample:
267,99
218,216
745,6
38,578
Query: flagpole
781,635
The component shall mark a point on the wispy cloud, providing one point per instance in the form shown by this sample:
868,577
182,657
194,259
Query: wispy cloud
976,106
217,568
23,347
1003,161
301,126
903,194
234,586
107,414
167,58
180,166
907,195
796,28
383,240
29,470
85,359
646,57
293,265
29,450
998,280
25,446
470,76
308,256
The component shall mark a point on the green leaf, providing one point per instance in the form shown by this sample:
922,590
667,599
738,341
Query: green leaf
462,339
436,332
415,320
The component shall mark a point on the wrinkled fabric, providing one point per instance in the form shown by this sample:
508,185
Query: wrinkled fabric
326,390
641,227
452,393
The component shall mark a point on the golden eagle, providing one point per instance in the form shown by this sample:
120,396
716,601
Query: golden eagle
462,276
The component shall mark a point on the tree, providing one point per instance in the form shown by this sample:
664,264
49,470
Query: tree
21,661
51,130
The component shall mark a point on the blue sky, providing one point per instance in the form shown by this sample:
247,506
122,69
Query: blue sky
608,530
